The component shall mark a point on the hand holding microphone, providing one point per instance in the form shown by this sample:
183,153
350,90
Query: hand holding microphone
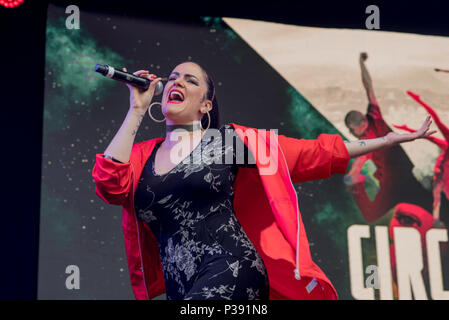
142,85
139,99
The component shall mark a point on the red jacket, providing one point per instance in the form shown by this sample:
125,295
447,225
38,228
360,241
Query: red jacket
266,206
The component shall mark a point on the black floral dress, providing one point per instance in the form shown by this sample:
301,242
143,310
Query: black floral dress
205,253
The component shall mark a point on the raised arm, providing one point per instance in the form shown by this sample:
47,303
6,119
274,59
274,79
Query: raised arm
113,180
360,147
122,143
366,80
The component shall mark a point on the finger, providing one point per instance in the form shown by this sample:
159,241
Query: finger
154,83
426,134
427,122
156,80
146,76
139,72
124,69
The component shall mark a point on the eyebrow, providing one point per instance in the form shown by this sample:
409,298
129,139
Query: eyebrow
187,74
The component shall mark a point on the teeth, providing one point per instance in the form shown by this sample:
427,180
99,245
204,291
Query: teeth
175,93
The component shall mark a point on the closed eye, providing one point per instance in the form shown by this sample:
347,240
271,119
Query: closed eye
191,81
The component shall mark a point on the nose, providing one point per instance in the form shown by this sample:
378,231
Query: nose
179,82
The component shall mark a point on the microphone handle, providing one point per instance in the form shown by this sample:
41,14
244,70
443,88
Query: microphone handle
142,83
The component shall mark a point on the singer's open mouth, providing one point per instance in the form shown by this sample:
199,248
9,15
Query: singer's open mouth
175,96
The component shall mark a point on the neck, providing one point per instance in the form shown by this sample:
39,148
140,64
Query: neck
175,133
187,127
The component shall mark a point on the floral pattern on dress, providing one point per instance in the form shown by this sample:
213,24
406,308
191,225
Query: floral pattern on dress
190,211
223,292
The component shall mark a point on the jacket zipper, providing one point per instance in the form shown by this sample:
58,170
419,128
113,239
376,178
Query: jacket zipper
296,270
138,235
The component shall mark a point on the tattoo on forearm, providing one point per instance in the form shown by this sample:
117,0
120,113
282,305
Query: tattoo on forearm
362,143
137,127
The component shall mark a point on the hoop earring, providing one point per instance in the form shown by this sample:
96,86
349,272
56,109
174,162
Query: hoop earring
149,112
208,125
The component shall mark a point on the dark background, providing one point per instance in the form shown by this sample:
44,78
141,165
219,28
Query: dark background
22,56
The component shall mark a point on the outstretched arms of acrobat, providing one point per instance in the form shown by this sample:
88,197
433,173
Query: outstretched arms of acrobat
361,147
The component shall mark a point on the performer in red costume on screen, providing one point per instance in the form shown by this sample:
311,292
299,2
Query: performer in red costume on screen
381,179
441,168
190,233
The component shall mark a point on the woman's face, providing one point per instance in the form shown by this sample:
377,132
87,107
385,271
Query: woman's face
186,105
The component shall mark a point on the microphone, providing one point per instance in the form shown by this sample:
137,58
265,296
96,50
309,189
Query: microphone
142,83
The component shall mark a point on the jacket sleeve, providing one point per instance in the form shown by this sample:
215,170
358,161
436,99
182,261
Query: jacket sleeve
113,180
312,159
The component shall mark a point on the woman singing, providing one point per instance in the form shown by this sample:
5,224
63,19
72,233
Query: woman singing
206,214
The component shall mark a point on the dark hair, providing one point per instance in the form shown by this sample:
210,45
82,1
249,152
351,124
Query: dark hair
210,95
354,117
